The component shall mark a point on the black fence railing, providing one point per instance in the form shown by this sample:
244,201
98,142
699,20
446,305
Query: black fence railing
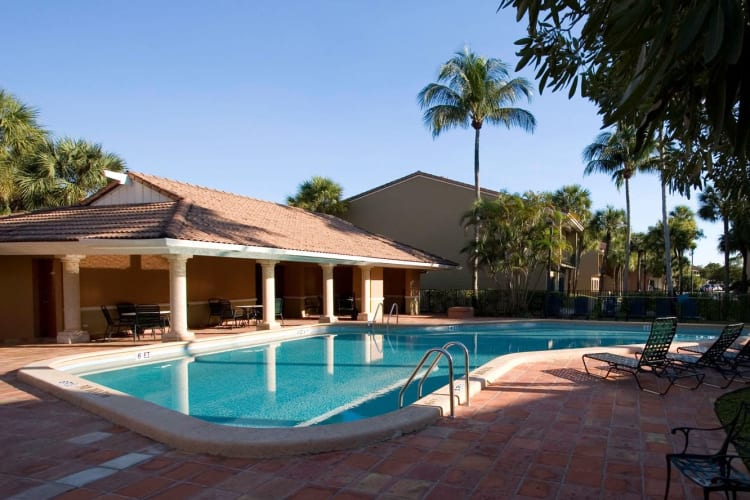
716,307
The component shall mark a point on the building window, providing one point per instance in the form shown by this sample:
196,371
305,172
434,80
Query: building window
594,284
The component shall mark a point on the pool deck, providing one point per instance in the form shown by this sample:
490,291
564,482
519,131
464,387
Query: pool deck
544,429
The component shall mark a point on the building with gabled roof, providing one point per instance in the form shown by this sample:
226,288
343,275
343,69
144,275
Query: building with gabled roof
148,239
426,211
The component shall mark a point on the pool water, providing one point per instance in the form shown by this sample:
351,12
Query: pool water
342,374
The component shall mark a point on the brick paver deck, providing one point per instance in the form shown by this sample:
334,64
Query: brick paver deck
545,430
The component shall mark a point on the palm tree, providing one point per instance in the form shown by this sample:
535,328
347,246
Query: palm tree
615,153
471,90
65,173
20,135
714,206
606,224
575,200
319,194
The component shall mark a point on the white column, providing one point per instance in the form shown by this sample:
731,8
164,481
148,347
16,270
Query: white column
364,314
71,283
181,385
269,295
329,354
327,316
270,353
178,325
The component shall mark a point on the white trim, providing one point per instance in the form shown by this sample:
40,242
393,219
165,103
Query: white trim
169,246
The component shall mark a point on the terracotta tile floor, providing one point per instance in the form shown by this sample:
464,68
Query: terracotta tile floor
545,430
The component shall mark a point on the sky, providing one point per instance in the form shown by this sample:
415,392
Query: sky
256,97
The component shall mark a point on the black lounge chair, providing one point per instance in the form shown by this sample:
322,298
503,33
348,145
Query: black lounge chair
114,327
713,355
721,355
652,359
718,471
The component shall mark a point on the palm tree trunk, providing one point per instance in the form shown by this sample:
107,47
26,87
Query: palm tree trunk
725,221
475,262
665,227
626,271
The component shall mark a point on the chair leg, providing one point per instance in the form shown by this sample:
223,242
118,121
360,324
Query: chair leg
669,477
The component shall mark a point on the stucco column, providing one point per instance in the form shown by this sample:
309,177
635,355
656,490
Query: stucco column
327,316
269,295
178,324
71,283
364,314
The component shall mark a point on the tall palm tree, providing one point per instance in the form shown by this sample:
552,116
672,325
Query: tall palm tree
576,200
615,153
65,173
471,90
319,194
714,206
606,224
20,135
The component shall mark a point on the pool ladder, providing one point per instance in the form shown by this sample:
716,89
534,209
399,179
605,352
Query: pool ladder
441,351
394,307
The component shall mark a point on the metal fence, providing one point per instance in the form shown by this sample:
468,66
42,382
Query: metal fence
714,307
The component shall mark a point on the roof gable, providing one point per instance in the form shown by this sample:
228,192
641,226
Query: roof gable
422,175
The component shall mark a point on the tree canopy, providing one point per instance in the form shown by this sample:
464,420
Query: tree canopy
37,171
677,65
319,194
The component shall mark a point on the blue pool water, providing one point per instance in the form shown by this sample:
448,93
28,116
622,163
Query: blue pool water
345,373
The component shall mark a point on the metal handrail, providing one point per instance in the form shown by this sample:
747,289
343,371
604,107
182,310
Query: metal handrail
390,314
440,352
435,362
375,316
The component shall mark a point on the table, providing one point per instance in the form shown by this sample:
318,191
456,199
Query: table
251,312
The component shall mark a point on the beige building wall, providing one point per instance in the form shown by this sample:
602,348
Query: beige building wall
17,304
423,212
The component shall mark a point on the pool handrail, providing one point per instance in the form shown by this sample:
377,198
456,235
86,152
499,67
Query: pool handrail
443,352
435,362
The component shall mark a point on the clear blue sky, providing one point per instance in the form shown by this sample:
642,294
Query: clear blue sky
256,97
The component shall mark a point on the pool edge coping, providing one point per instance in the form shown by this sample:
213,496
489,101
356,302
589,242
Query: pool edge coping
194,435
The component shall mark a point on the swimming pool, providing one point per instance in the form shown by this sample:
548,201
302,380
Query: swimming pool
338,374
59,377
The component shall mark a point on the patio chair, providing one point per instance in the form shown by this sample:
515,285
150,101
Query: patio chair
126,314
652,359
278,307
222,310
730,362
148,317
711,355
718,471
113,326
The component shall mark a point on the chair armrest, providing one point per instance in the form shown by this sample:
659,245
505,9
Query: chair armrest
686,433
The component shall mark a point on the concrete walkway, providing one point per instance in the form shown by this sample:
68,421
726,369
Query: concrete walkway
545,430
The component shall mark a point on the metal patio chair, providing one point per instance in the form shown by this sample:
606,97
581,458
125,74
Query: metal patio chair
652,359
718,471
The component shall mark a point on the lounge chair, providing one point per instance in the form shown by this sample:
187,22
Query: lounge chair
711,355
113,326
718,471
652,359
722,355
